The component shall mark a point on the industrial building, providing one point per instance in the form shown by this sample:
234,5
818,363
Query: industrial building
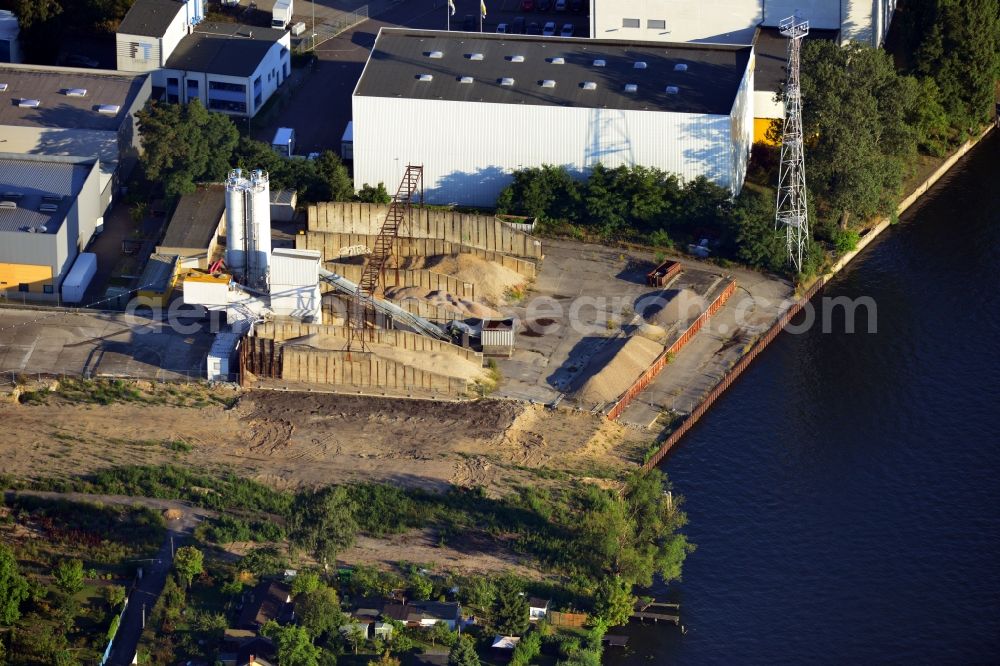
10,31
229,67
474,107
48,209
734,21
193,231
74,112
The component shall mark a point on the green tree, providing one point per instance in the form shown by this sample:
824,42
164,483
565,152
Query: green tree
188,562
420,586
319,611
463,653
14,587
510,614
377,194
292,643
614,601
114,595
440,633
31,12
305,581
336,176
756,241
69,576
184,144
527,649
323,522
548,192
355,637
478,591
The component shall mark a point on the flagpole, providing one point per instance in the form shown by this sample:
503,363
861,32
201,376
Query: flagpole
447,11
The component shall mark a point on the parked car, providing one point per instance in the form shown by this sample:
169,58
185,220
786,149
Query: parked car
78,60
550,29
517,27
567,30
527,5
560,5
502,28
576,6
544,5
533,29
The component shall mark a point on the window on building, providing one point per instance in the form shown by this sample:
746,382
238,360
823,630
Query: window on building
225,85
192,89
631,23
257,92
656,24
173,90
47,288
23,286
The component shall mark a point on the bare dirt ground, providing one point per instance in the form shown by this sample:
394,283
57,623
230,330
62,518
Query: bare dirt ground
290,440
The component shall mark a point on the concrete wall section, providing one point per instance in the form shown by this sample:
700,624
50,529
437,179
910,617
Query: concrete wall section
362,371
460,167
482,231
393,278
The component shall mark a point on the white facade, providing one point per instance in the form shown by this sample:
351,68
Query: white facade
234,95
734,21
470,149
144,53
295,283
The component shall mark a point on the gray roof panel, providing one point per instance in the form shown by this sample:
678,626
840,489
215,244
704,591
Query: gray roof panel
226,49
31,183
196,219
150,18
400,57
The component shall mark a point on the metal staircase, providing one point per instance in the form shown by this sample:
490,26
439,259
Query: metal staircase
362,309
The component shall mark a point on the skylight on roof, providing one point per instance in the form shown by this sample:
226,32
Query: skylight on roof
640,64
517,58
680,67
631,87
548,83
506,81
3,87
465,79
558,60
672,90
109,109
28,103
588,85
475,56
435,54
600,63
425,77
75,92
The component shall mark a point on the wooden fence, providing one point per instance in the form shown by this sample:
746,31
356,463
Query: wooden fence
363,371
482,231
732,375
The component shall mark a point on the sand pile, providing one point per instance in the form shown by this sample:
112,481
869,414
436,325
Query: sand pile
617,369
665,309
652,332
491,279
442,299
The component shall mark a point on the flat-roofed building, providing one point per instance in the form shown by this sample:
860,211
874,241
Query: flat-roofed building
74,112
151,30
193,231
472,108
48,209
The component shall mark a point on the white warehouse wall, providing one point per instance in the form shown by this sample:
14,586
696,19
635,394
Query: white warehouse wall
719,21
821,14
469,149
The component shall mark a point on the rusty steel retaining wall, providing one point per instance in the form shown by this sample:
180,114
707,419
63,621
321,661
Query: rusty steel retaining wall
646,378
733,373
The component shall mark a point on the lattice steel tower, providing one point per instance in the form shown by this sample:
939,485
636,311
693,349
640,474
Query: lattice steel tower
791,210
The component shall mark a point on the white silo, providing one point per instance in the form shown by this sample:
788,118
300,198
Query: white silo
248,227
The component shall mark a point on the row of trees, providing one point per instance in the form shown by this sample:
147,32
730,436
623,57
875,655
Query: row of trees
186,144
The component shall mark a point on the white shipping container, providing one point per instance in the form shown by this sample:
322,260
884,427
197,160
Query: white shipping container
75,284
298,28
205,293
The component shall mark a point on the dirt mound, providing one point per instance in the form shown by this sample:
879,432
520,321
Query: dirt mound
491,279
442,299
672,307
618,369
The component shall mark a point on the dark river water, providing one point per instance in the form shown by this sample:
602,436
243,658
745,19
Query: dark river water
845,493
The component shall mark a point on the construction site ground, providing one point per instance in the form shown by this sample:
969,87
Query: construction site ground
292,440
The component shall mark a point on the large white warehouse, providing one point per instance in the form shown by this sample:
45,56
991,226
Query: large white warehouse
473,107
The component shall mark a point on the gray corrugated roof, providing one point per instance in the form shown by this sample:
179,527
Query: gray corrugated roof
47,85
29,180
195,221
227,49
150,18
400,56
158,272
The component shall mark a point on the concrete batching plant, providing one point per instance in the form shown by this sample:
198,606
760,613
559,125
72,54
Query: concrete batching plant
248,228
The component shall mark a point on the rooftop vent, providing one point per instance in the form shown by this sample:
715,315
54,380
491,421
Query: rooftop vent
506,81
11,196
465,79
28,103
589,85
3,87
640,64
75,92
52,197
548,83
47,208
110,109
475,56
558,60
600,63
680,67
672,90
517,58
425,77
631,87
8,205
40,229
435,54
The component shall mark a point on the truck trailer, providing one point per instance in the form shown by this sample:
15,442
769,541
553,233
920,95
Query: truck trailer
281,15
